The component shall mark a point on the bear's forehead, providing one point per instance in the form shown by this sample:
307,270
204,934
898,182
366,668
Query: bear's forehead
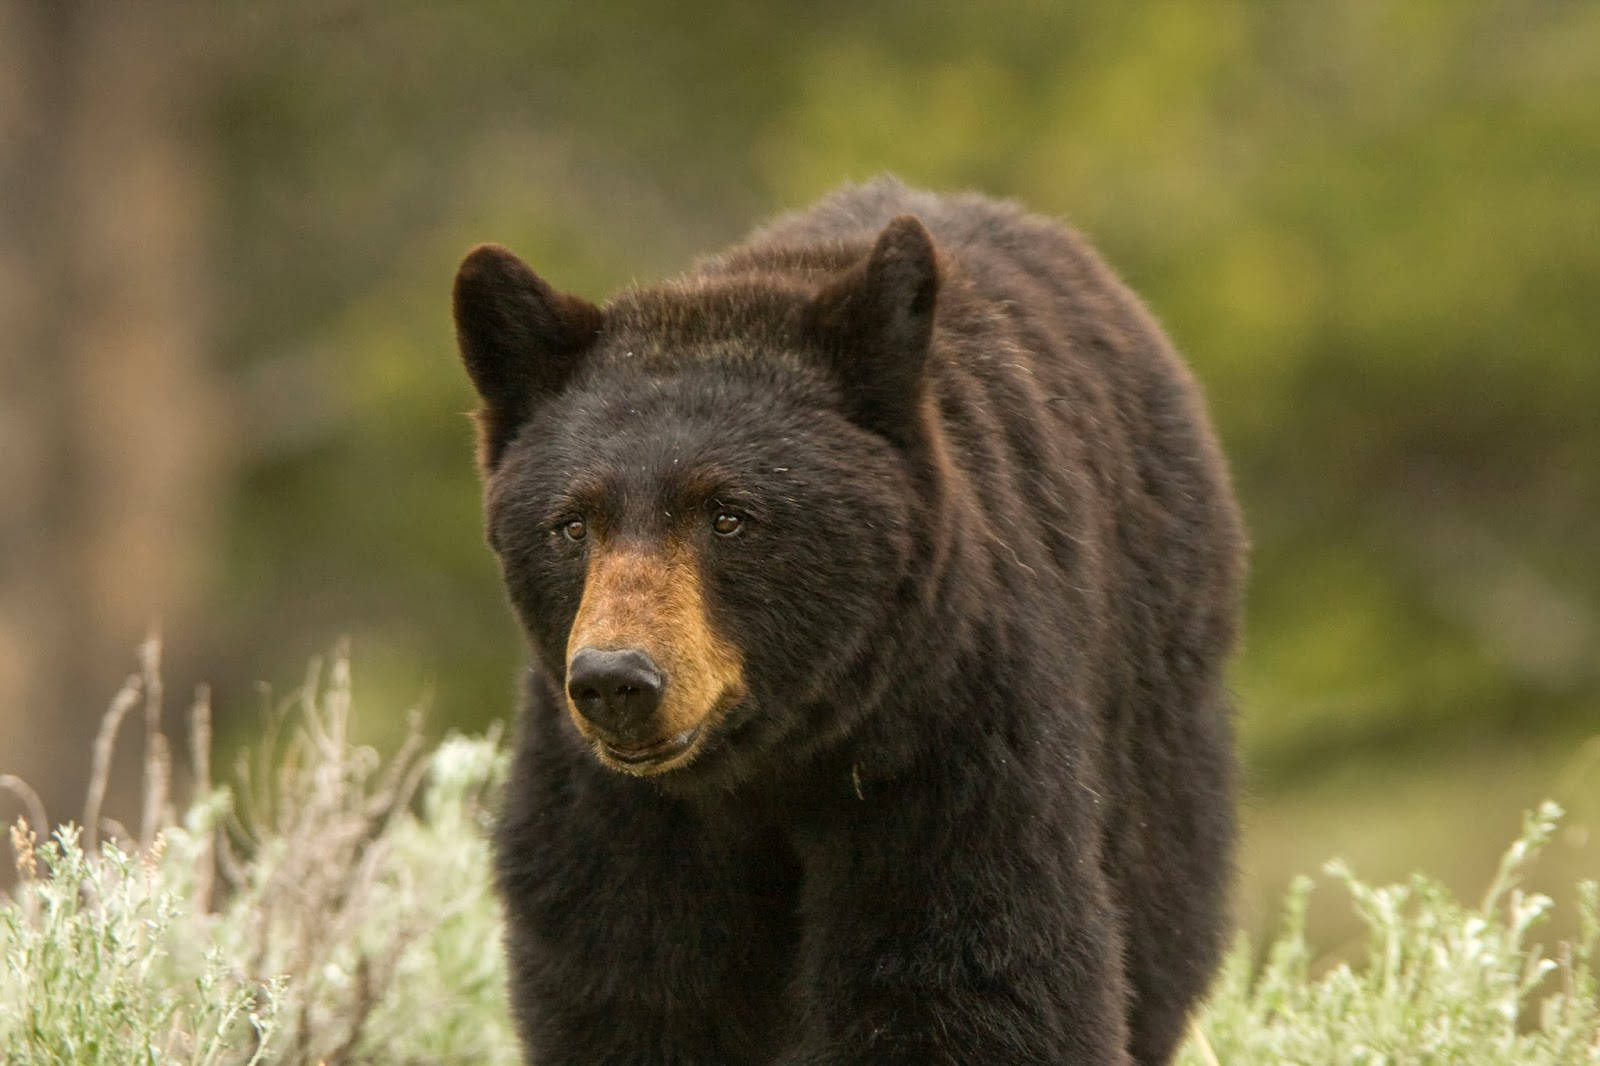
701,348
633,433
662,408
640,455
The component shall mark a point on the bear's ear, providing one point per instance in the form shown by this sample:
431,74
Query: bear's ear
520,339
875,325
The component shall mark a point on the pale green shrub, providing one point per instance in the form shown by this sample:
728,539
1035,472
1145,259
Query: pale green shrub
328,907
1438,982
88,972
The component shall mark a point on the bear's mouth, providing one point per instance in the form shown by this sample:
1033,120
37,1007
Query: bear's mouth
671,753
652,756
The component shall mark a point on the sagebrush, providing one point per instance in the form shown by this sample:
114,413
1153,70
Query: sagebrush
331,906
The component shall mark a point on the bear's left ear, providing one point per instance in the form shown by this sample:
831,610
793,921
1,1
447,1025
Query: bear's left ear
876,323
519,338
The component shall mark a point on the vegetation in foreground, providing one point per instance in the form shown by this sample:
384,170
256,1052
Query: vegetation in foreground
330,906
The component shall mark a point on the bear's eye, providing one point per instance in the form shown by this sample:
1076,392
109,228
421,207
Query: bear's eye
726,523
574,529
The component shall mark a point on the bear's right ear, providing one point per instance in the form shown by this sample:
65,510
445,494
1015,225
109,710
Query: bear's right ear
519,338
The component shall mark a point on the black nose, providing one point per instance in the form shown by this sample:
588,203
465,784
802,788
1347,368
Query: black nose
616,690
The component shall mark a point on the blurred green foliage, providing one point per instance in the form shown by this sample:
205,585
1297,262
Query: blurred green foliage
1373,228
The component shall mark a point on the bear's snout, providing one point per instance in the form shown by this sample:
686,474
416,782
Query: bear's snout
648,675
617,691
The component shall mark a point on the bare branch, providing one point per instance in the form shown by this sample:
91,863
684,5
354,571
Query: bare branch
100,767
157,752
200,758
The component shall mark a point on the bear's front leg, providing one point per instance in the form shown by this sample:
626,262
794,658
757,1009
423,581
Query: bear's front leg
956,928
636,934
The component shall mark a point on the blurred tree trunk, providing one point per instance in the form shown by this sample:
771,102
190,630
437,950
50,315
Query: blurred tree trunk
110,416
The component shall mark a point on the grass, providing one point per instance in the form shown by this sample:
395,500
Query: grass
327,905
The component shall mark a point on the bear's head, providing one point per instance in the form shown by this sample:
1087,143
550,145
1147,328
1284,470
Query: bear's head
706,497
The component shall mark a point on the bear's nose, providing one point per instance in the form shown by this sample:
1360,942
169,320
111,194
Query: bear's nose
616,690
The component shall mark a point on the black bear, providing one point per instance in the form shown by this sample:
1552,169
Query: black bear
879,576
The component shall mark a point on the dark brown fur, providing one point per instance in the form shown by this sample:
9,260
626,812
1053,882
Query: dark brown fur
974,802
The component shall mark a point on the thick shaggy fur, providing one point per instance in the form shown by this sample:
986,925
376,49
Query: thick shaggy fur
969,796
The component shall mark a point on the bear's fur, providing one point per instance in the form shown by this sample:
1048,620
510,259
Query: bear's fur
917,525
